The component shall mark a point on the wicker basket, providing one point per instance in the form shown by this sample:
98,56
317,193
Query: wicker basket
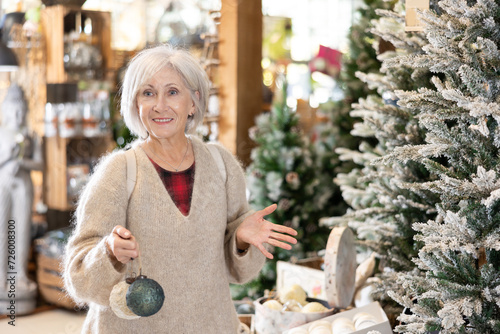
247,319
50,282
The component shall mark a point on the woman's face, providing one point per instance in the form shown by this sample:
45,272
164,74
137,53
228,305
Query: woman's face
164,103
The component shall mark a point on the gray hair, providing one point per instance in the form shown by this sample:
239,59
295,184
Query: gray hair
145,65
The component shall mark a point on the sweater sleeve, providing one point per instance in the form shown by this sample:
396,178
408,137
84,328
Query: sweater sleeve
241,268
89,271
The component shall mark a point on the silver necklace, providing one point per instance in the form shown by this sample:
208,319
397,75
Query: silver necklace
185,153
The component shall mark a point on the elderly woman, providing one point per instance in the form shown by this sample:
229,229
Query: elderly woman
194,230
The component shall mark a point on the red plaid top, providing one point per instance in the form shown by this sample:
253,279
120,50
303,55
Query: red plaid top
179,185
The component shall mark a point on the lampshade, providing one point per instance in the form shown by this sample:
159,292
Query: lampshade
8,61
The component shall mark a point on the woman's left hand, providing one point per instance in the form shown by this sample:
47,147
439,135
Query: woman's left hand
255,230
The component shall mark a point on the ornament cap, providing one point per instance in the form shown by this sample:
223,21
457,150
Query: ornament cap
133,278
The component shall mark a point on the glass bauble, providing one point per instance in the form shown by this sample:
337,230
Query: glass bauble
145,296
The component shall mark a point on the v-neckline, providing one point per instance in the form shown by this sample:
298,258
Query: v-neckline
159,181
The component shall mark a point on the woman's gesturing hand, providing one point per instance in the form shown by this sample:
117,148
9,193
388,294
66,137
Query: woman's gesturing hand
122,244
255,230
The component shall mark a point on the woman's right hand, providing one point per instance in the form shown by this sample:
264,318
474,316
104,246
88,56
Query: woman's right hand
122,244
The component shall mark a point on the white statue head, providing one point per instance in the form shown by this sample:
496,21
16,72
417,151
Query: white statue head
14,108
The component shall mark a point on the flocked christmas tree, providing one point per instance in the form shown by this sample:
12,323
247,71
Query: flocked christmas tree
460,115
282,171
382,209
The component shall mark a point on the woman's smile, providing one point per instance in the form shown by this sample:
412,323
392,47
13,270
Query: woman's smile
162,120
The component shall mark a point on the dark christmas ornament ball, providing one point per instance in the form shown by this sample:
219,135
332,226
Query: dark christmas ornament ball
145,296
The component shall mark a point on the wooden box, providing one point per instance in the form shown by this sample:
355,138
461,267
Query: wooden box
381,325
307,273
247,319
333,286
50,282
270,321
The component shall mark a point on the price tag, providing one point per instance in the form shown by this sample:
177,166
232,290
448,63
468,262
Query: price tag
412,22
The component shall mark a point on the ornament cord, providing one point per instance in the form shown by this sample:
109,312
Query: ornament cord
131,273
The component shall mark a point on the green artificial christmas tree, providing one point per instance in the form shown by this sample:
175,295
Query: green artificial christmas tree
361,55
333,129
282,171
460,114
328,134
382,210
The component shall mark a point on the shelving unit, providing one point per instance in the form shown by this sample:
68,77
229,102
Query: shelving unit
53,20
66,155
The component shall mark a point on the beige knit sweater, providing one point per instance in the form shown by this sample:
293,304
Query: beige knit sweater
194,258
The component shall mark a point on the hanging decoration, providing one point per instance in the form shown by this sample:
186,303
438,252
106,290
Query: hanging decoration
145,296
327,61
136,297
118,301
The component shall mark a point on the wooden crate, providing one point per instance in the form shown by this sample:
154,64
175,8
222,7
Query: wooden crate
50,282
248,319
